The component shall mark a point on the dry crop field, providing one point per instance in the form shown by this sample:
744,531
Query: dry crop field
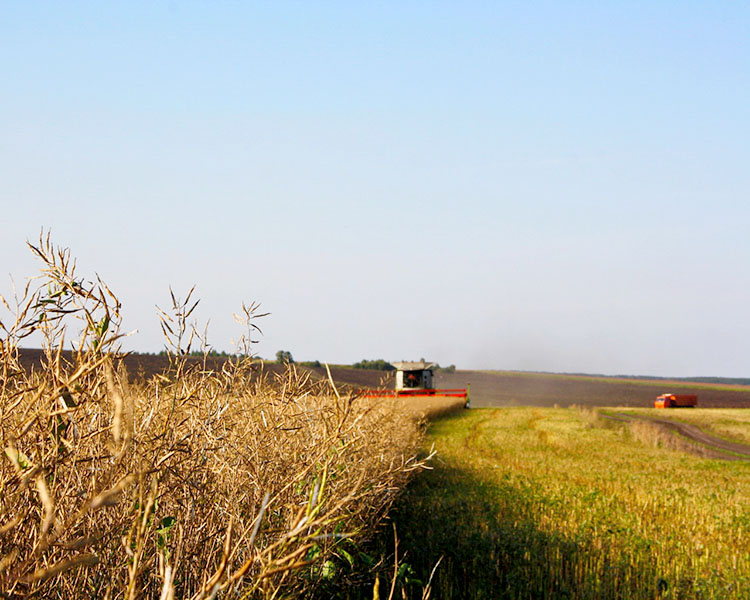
203,481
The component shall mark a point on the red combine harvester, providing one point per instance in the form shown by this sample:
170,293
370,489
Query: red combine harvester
414,380
675,401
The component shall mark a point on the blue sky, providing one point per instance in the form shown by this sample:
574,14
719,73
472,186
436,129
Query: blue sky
556,186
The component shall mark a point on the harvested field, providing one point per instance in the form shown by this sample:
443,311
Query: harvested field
693,438
728,424
530,502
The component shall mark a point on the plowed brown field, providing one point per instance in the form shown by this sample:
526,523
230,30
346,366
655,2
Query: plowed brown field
538,389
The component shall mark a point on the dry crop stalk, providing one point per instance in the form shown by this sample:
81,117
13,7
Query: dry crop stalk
180,486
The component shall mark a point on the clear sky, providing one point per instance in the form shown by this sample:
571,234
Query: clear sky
547,186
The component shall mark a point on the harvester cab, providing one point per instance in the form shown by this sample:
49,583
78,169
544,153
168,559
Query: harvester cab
413,375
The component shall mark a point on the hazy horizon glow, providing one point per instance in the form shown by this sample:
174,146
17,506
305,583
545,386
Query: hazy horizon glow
546,187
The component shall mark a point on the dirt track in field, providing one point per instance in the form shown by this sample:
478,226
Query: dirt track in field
716,446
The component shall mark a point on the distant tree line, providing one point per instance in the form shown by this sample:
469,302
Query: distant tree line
383,365
212,353
284,357
376,365
310,363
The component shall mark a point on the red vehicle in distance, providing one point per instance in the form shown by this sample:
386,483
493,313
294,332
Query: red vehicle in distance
675,401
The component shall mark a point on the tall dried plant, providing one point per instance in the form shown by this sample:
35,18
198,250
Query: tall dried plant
195,483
